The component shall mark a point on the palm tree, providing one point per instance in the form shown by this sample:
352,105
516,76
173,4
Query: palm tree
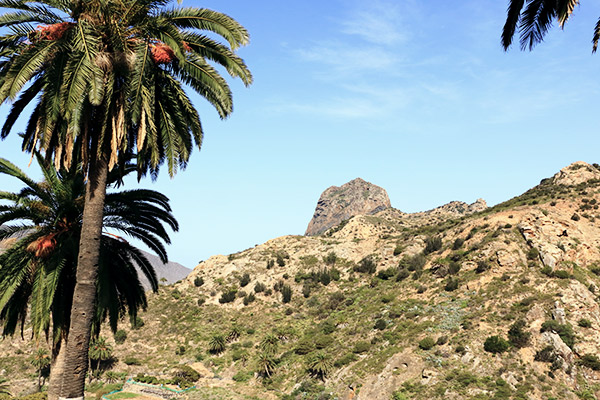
319,365
269,344
266,364
99,351
105,78
533,19
39,269
40,360
216,344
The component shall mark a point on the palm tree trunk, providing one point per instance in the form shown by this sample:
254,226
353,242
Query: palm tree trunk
57,369
84,296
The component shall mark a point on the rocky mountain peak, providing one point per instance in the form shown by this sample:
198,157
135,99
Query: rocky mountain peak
357,197
576,173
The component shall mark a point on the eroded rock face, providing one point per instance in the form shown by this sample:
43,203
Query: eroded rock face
576,173
336,204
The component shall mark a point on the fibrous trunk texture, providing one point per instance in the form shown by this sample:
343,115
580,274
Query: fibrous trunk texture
84,296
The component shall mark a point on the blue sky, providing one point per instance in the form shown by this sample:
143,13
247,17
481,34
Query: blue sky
417,97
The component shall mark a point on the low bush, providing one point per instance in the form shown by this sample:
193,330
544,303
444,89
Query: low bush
584,323
366,265
458,243
590,361
495,344
517,335
380,324
228,296
482,266
286,294
245,279
451,285
361,347
432,244
427,343
120,336
198,281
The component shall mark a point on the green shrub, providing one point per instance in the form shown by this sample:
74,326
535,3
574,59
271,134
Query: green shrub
228,296
495,344
565,331
201,301
345,360
137,323
304,346
380,324
584,323
324,277
414,263
458,243
533,254
286,294
198,281
280,260
482,266
590,361
270,263
242,376
517,336
322,341
427,343
120,336
185,373
330,258
451,285
366,265
387,273
245,279
575,217
442,340
432,244
402,274
306,289
398,249
130,360
259,287
361,347
249,298
453,268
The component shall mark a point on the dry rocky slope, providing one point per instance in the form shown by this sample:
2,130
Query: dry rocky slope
460,302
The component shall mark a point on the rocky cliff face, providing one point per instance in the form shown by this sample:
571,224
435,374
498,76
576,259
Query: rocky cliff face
336,204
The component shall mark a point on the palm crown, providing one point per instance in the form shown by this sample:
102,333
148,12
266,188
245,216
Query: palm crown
120,64
39,268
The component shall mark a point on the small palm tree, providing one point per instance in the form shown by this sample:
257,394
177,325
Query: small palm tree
319,365
99,351
234,333
40,360
266,365
269,344
216,345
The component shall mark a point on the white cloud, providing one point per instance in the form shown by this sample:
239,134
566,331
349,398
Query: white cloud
380,23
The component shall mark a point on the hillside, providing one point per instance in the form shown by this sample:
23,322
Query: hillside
458,302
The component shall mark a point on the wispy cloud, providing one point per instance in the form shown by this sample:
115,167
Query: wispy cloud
378,22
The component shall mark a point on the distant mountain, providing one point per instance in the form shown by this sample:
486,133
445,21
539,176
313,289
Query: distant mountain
170,271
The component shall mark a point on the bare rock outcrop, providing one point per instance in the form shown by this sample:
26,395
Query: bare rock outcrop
576,173
337,204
